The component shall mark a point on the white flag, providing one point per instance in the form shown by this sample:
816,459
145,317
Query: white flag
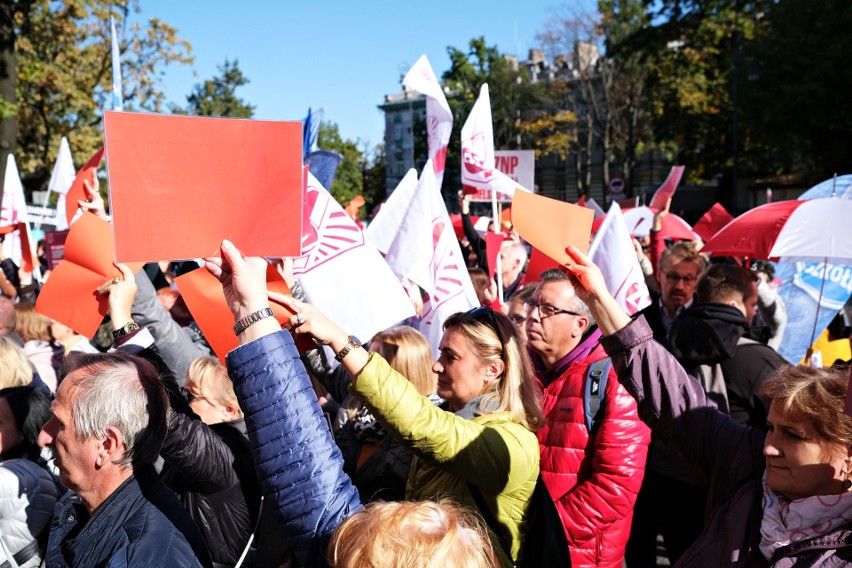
612,250
439,117
343,274
478,171
427,252
13,211
60,181
117,98
385,225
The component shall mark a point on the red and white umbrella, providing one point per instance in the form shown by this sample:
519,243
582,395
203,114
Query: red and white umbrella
639,221
813,229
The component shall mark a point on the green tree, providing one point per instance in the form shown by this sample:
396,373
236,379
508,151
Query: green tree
348,182
57,76
216,96
513,99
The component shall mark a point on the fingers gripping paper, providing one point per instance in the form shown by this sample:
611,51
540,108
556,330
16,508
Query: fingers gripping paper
180,184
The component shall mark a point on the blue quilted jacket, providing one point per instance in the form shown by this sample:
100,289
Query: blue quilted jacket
298,464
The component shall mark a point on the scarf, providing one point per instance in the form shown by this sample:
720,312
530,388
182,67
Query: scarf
786,521
586,346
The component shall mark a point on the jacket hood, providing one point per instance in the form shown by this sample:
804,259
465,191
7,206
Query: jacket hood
707,334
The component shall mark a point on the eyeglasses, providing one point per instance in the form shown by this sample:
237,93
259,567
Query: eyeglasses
674,278
477,314
546,310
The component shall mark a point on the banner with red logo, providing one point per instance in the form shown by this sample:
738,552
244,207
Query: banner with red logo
479,171
612,250
439,117
343,274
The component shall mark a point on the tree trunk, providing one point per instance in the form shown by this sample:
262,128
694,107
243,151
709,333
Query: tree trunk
8,84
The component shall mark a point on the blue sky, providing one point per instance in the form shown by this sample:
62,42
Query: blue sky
341,55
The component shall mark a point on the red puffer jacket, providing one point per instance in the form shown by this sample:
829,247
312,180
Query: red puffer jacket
594,481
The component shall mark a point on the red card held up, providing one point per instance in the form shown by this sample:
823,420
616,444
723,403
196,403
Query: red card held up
69,296
77,192
179,183
205,299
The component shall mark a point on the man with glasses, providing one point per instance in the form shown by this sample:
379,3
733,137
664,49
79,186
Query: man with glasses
678,272
593,477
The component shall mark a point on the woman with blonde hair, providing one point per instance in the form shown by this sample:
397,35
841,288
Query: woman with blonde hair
377,463
15,369
43,352
412,533
483,439
482,447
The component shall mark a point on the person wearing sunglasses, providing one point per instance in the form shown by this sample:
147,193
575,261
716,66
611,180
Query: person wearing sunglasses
593,476
483,439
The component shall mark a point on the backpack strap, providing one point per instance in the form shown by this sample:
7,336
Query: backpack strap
594,392
489,518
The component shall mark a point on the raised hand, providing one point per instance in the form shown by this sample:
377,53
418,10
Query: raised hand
243,280
94,201
590,286
121,292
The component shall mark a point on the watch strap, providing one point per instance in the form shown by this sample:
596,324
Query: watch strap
252,318
124,330
350,345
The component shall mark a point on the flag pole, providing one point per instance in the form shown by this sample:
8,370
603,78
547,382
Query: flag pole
498,270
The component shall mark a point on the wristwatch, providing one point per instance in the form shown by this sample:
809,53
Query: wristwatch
124,330
350,345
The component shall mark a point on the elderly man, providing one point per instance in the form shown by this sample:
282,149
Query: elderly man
594,476
678,271
108,423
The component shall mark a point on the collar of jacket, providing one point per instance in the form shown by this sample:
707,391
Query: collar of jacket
587,344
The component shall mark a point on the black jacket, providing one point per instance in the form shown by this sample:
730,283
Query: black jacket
140,525
712,334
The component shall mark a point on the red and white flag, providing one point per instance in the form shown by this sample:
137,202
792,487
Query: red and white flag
439,117
60,181
385,225
667,190
13,213
478,170
427,252
343,274
612,250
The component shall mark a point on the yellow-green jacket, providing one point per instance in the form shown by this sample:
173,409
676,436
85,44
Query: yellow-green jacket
497,455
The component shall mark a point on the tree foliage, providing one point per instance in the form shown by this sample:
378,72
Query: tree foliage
62,76
348,182
217,96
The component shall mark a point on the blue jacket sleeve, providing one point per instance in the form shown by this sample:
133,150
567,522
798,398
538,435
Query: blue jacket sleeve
299,467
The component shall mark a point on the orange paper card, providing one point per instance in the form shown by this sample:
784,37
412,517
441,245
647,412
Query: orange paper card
76,192
180,183
69,296
203,295
550,225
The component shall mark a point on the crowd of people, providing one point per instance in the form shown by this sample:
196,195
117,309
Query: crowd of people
139,447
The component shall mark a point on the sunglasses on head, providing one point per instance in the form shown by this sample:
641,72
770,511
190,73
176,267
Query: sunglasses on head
486,314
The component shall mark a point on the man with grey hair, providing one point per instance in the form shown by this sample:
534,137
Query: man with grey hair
592,472
108,423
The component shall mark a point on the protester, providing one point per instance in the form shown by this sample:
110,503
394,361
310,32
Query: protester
15,369
8,321
485,288
270,383
593,476
377,463
206,451
780,498
517,310
678,272
70,339
27,491
513,263
108,423
475,241
43,352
